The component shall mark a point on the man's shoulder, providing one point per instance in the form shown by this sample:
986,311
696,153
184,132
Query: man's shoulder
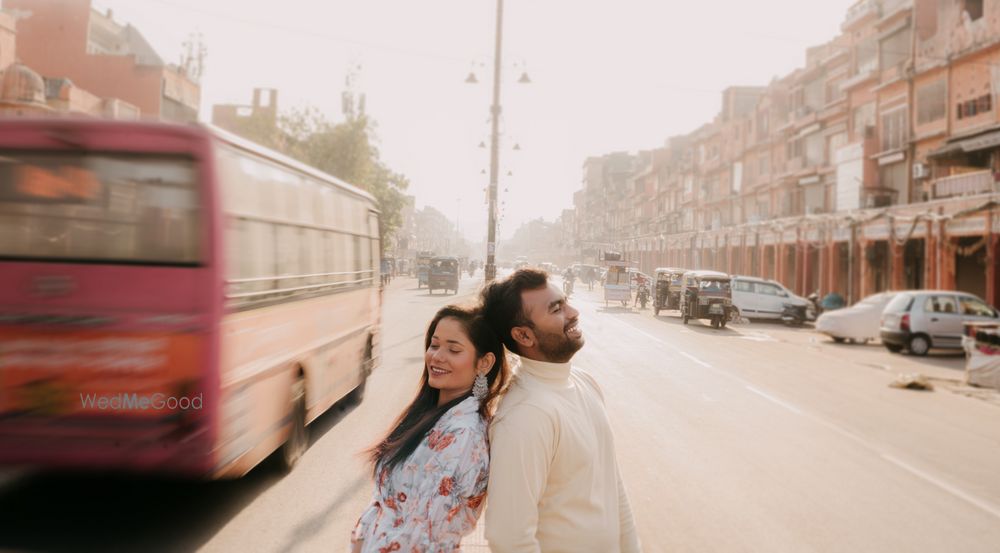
581,376
523,401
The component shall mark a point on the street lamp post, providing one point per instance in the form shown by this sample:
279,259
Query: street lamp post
491,240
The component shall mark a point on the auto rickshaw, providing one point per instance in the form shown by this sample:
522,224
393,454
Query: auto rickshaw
423,268
668,289
707,295
443,274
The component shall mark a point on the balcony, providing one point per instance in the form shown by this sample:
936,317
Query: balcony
872,197
965,184
858,12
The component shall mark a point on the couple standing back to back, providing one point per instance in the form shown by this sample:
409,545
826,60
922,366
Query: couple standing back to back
545,455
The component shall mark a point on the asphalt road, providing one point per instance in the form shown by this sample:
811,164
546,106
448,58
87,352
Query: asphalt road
751,438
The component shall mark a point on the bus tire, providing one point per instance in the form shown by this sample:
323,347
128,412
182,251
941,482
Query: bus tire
358,393
298,439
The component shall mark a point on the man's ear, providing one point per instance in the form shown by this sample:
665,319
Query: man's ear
524,336
486,362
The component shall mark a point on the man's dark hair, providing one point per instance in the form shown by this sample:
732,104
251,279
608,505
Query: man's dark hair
502,305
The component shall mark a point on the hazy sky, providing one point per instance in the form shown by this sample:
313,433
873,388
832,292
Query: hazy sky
606,76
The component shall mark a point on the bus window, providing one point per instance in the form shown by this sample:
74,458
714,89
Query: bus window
88,207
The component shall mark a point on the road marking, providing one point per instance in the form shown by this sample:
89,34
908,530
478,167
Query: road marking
971,499
705,397
647,335
944,485
771,398
695,359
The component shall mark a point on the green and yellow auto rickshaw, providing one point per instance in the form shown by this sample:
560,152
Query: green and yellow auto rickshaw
707,295
443,274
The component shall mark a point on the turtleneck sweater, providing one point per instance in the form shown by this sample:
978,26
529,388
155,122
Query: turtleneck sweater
554,484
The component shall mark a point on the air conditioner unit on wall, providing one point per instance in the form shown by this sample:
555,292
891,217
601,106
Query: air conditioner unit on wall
921,171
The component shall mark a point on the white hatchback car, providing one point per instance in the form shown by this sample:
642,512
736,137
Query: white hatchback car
758,298
857,323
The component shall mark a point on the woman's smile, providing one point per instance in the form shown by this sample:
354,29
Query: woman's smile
438,371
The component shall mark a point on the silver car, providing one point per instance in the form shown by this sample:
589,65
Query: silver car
925,319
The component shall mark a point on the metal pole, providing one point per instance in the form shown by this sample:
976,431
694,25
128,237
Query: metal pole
491,269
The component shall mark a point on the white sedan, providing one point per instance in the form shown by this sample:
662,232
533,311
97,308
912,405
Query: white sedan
857,323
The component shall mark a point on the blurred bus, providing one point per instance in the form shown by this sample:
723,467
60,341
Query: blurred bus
174,298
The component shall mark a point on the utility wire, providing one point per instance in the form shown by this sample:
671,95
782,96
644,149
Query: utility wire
305,32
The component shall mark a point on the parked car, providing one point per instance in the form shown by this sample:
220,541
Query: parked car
921,320
758,298
857,323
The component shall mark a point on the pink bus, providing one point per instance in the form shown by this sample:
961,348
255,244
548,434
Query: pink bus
174,298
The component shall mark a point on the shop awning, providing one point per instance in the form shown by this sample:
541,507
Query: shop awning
975,143
981,142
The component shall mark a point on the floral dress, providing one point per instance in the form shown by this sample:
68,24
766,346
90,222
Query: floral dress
428,502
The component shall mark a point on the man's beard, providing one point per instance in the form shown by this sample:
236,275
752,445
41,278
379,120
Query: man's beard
557,348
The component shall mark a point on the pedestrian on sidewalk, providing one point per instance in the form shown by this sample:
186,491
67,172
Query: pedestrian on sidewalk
432,467
555,484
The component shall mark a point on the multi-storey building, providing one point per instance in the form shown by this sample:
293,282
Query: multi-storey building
872,167
69,41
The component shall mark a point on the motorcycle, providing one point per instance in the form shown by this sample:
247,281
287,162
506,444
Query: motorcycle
567,287
643,296
797,315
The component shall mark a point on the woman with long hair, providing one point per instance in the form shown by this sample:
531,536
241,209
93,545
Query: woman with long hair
432,467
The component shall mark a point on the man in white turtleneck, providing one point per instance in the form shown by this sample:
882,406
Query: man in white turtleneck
554,481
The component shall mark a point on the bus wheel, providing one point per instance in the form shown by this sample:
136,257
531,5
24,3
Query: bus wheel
298,439
358,393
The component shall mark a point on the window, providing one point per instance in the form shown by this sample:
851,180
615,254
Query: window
974,107
974,307
865,56
815,198
974,8
931,102
833,91
863,116
814,149
765,165
100,207
767,289
893,176
794,148
900,304
742,286
895,49
940,304
835,143
894,129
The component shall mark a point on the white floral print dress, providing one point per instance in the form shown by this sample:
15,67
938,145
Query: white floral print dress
428,502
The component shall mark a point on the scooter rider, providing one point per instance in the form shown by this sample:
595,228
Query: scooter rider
568,278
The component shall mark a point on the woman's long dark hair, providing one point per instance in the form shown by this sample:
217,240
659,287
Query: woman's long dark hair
420,416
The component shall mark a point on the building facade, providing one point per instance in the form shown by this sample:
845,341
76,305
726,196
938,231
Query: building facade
872,167
93,65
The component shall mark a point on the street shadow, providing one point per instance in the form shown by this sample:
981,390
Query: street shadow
942,359
67,511
699,326
614,309
109,512
315,524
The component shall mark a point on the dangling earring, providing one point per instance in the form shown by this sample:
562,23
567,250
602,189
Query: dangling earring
480,388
